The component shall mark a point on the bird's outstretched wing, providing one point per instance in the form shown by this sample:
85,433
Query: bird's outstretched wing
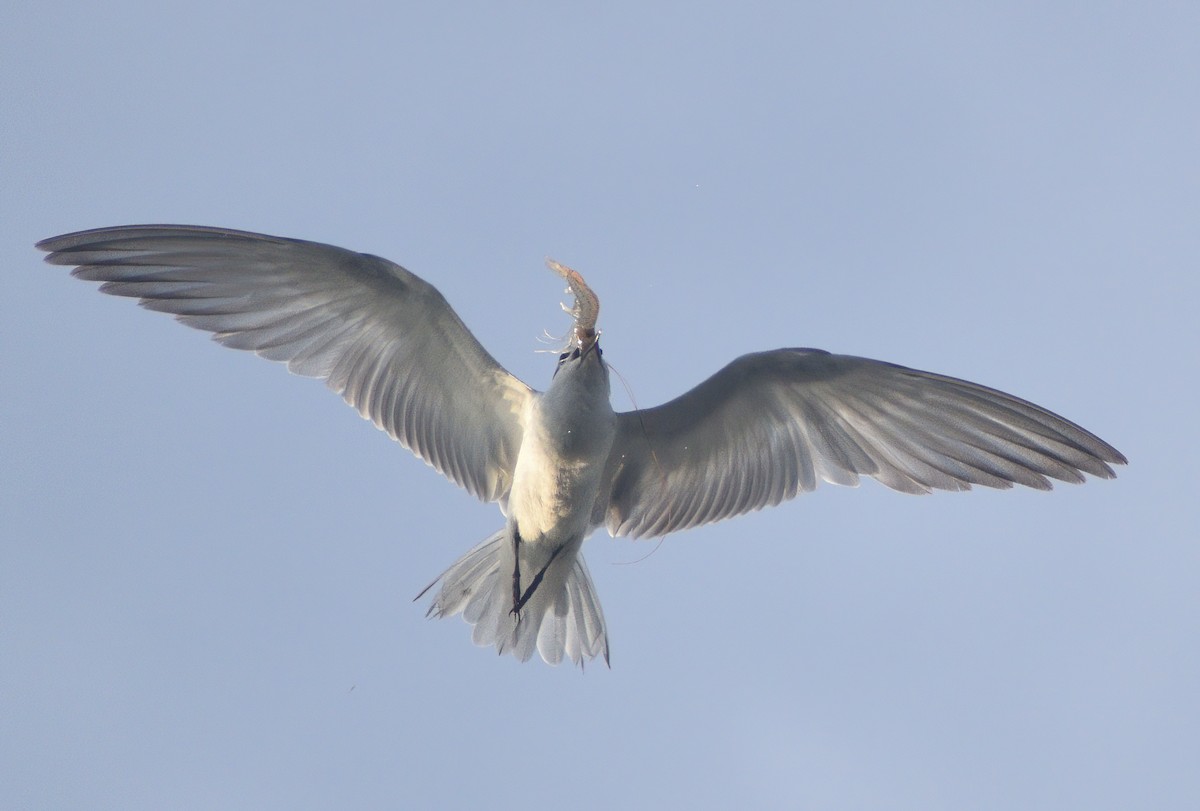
770,425
384,339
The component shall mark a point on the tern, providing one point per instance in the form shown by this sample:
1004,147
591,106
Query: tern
562,463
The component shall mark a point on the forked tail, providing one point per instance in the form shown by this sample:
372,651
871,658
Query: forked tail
562,617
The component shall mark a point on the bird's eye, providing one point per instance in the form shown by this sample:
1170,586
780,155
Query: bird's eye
566,356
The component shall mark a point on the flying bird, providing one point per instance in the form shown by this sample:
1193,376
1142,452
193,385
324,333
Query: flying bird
561,463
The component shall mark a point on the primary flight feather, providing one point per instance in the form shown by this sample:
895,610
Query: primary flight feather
562,463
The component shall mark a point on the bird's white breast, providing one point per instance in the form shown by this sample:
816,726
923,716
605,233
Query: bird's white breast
558,470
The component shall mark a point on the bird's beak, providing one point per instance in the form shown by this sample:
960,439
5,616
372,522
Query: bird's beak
586,340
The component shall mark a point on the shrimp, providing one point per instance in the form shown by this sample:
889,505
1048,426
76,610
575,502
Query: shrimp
586,309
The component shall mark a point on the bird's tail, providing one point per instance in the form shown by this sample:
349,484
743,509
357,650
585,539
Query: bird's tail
562,617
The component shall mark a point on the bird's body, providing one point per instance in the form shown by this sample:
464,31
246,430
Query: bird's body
569,432
560,464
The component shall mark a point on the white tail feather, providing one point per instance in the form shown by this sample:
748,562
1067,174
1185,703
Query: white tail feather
563,616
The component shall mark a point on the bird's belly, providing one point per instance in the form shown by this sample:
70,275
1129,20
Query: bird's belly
552,493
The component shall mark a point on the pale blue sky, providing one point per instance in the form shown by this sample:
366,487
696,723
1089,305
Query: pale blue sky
206,565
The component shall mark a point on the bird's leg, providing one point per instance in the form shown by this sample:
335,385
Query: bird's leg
516,576
537,581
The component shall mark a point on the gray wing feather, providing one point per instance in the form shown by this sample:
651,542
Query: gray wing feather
771,425
383,338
